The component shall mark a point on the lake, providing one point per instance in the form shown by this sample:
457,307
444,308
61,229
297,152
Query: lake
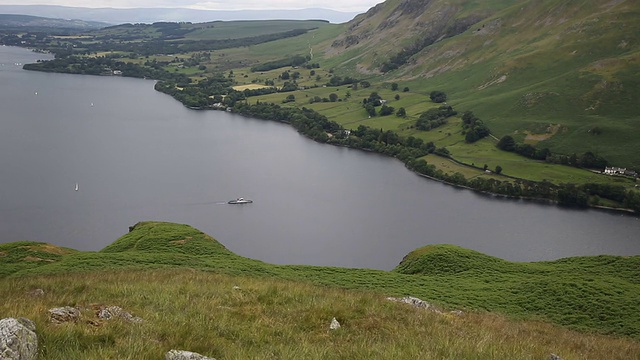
139,155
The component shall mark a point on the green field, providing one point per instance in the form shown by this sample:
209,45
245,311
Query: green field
220,30
350,113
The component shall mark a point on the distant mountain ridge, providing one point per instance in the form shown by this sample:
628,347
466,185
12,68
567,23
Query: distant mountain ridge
150,15
11,21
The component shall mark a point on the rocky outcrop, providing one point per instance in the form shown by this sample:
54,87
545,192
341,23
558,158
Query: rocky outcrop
64,314
184,355
411,301
18,340
334,324
415,302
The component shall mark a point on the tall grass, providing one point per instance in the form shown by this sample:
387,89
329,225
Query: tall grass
273,318
594,294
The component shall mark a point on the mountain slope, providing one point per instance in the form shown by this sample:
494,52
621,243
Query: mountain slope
524,68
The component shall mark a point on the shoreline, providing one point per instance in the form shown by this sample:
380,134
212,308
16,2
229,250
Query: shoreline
540,200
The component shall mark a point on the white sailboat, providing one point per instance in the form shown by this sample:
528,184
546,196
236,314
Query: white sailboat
76,186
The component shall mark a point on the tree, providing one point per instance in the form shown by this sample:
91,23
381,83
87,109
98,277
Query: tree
333,97
374,99
401,112
285,75
438,96
498,169
471,137
371,110
397,97
506,143
386,110
394,86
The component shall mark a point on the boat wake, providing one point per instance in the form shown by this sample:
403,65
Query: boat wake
207,203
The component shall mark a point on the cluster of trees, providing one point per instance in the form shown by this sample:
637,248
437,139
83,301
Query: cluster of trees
337,80
214,89
564,194
308,122
587,160
435,117
583,195
474,128
260,91
386,110
286,75
105,66
289,86
508,143
438,96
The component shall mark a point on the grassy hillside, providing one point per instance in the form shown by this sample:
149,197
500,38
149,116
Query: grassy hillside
594,294
520,66
247,317
215,30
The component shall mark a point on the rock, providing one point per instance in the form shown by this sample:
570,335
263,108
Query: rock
64,314
334,324
111,312
18,340
411,301
554,357
236,288
36,293
184,355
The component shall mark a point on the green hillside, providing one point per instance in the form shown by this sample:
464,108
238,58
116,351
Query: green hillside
595,294
215,30
523,67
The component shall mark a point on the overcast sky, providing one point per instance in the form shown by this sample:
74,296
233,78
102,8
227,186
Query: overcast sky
345,5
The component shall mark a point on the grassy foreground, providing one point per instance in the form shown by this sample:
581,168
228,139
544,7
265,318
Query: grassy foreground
181,282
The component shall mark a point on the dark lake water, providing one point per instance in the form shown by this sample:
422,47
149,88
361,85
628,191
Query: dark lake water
138,155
